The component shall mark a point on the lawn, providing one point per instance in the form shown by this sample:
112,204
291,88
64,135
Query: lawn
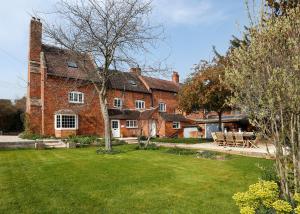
135,181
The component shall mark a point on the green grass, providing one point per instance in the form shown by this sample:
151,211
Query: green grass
180,140
134,181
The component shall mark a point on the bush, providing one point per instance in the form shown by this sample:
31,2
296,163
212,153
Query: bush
82,140
212,155
151,146
263,197
268,173
31,136
180,151
114,142
179,140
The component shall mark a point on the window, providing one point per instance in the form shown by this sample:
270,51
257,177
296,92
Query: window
176,125
76,97
162,107
139,104
118,103
66,121
132,82
72,64
131,124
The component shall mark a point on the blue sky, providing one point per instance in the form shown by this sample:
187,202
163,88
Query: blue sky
192,27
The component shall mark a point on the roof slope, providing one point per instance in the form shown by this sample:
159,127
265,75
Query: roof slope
57,64
126,81
160,84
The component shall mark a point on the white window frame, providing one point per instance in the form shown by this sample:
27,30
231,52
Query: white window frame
118,100
131,124
164,107
176,125
139,104
61,128
77,94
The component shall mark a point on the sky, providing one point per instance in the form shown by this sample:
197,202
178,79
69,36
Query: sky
192,28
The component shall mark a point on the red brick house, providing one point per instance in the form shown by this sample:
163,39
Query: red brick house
62,102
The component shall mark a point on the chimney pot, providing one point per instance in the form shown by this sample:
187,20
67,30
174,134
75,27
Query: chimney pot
175,77
136,71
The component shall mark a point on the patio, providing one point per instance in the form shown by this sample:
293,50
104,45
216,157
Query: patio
261,151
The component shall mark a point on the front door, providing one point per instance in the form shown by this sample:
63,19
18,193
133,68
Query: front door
115,128
153,128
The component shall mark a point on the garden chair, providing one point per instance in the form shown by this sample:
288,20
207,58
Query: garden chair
214,136
253,143
229,139
220,138
239,139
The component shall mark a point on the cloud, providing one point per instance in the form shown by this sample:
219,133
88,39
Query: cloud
187,12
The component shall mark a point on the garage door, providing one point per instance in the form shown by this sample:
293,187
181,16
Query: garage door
212,127
189,132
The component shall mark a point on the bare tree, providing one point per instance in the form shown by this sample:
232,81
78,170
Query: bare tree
111,32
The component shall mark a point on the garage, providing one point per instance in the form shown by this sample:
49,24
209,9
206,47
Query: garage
209,128
190,132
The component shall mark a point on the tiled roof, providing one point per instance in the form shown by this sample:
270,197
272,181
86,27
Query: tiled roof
160,84
173,117
57,64
57,61
126,114
126,81
123,114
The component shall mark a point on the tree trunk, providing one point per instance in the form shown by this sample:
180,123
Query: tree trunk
220,120
107,130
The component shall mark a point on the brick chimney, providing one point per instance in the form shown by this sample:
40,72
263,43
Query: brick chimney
136,71
35,39
175,77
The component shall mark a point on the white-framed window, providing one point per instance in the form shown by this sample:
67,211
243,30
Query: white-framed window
117,102
66,121
131,124
162,107
176,125
140,104
76,97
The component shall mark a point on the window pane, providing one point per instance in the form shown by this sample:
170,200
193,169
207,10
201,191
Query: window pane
58,121
68,121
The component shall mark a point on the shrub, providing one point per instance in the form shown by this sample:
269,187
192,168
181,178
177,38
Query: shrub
268,173
263,197
151,146
30,136
282,207
82,140
180,151
212,155
114,142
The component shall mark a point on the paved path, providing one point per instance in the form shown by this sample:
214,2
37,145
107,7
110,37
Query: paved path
253,152
12,139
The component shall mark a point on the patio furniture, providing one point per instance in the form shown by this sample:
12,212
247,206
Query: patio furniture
239,139
213,134
229,139
252,143
220,138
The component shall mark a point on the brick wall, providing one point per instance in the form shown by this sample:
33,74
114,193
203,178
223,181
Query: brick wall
129,98
169,98
56,98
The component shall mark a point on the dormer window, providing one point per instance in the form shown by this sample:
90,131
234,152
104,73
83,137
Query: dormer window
76,97
162,107
132,82
72,64
140,104
118,103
